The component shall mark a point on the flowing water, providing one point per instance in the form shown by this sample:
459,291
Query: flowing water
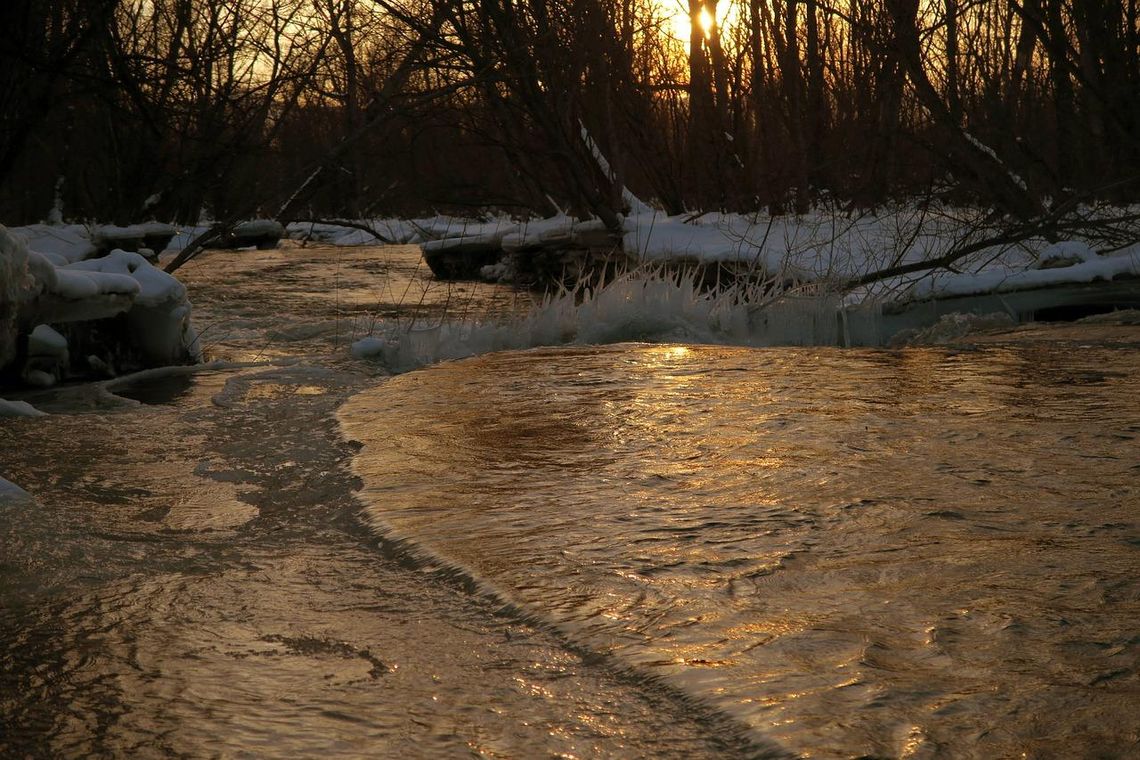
628,550
852,552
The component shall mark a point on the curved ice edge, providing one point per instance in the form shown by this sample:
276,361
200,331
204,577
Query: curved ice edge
408,552
105,390
176,370
110,385
11,493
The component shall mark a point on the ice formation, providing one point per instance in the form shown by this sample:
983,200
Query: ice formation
9,491
634,307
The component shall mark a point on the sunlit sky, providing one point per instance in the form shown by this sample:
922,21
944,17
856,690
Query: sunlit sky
679,21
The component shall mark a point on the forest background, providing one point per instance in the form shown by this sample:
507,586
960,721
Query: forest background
126,110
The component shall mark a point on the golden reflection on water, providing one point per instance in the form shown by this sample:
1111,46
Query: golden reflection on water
792,530
278,390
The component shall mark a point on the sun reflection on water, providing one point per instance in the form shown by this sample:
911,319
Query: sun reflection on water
782,531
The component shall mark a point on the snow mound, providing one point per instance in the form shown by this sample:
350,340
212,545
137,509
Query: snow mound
159,317
58,244
126,272
37,297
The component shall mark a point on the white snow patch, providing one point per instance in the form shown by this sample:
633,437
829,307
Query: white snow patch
118,269
59,244
1091,267
47,342
17,409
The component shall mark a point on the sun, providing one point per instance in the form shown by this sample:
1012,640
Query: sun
680,27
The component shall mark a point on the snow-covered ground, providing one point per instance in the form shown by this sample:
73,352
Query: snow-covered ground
820,247
807,261
50,286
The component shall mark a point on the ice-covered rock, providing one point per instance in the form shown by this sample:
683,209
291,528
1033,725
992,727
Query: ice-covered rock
263,233
50,303
159,316
153,235
369,347
1065,254
44,341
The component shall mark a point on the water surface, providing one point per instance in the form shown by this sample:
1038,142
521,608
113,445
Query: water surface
626,551
910,553
194,580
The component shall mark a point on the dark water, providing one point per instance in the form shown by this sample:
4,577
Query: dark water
625,551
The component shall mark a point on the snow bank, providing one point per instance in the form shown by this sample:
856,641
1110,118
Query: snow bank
819,247
68,243
40,293
796,303
58,244
1062,263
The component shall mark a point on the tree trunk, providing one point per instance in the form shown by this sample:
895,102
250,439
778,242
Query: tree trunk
994,177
